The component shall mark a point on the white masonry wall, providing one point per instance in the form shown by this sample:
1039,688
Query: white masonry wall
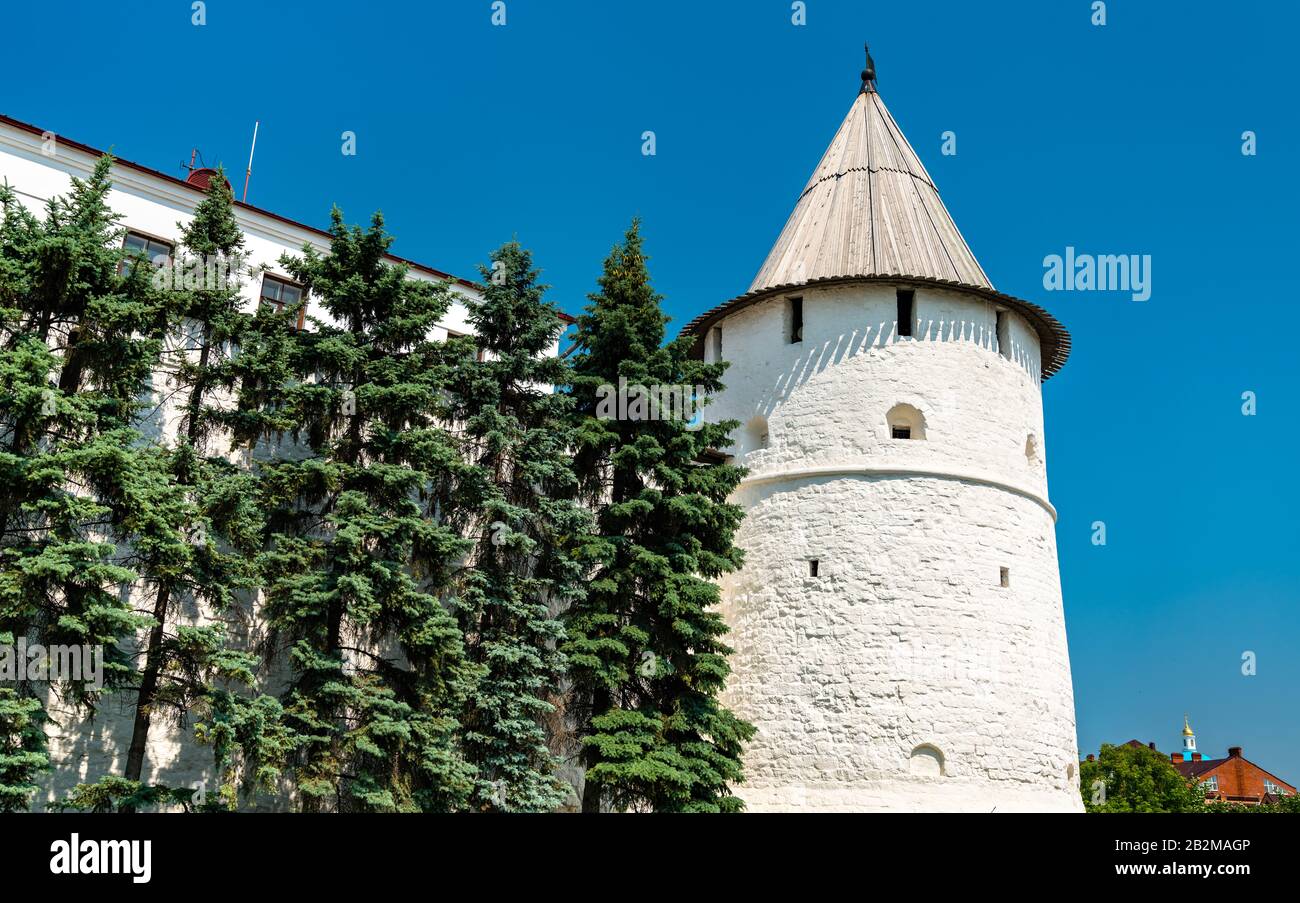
903,676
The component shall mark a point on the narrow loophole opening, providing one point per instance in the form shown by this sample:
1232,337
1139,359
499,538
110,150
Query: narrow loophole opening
906,297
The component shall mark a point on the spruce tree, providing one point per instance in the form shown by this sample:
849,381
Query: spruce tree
645,643
358,549
94,506
185,664
82,332
23,754
519,492
22,748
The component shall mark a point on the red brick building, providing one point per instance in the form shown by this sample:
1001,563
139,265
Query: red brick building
1232,779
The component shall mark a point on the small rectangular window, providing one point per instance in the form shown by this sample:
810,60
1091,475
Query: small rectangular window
281,293
906,315
813,567
796,320
901,432
1004,575
155,250
715,338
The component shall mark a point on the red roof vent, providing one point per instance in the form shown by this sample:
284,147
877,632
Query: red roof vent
202,177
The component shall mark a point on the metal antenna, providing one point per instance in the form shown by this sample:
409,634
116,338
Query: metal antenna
249,174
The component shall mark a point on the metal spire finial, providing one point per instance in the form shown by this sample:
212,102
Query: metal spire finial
869,73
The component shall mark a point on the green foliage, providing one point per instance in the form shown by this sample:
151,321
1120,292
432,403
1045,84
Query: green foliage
414,521
93,506
251,742
516,498
1136,779
203,504
114,794
1282,805
357,552
645,644
22,749
86,504
80,339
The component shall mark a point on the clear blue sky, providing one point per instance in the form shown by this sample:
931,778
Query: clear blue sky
1119,139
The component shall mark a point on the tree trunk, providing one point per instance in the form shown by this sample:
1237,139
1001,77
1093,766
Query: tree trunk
73,362
194,406
153,661
591,791
148,687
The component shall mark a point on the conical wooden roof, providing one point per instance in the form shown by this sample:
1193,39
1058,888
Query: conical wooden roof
871,213
870,209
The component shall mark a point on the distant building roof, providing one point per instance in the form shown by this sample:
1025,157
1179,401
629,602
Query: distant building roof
1237,779
1198,767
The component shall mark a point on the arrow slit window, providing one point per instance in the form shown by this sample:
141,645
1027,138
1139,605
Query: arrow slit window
794,317
906,311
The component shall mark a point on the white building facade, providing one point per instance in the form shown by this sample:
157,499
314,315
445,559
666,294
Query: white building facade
898,628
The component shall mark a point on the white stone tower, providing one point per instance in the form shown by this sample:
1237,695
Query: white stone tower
899,636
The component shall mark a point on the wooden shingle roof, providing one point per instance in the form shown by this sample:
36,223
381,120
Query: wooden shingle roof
870,209
871,213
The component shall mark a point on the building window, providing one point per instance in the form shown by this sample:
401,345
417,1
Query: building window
281,294
715,343
906,313
796,320
905,422
1270,787
1004,334
1004,577
155,250
1211,784
814,566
